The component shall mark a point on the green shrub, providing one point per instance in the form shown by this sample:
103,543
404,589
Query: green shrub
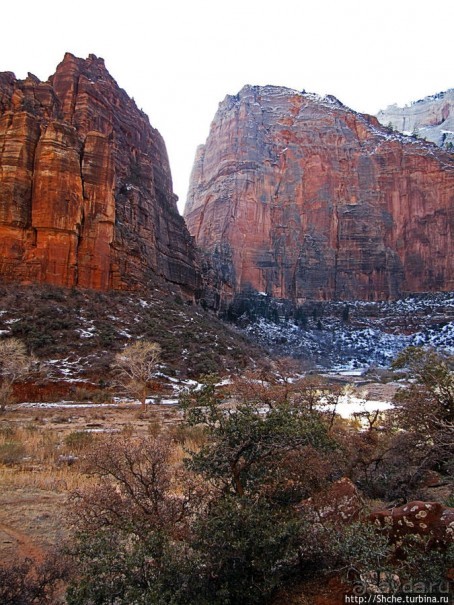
78,440
425,563
11,452
7,430
450,501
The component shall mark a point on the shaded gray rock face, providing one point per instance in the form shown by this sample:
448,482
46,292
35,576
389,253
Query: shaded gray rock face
431,118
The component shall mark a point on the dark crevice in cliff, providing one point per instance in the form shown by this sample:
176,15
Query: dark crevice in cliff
336,251
81,162
74,95
35,172
201,221
79,240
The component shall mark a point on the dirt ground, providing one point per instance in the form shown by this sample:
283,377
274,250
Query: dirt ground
31,522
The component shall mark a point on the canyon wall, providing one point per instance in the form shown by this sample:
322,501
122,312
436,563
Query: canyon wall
301,198
431,118
85,187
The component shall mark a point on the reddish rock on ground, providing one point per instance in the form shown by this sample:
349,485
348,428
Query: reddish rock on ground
430,519
85,188
302,198
341,503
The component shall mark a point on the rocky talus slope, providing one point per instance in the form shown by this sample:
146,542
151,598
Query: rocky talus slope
301,198
85,187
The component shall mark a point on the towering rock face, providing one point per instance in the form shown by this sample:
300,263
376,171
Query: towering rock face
302,198
431,118
85,187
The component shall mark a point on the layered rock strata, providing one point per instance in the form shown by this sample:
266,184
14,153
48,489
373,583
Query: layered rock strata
85,187
431,118
301,198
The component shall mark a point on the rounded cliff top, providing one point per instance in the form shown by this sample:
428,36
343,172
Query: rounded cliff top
254,93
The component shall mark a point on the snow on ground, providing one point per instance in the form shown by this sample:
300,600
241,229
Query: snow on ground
65,405
373,335
350,405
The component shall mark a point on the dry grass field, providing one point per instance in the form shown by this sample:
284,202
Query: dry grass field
42,460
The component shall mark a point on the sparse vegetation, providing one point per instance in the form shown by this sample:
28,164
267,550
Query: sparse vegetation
82,331
215,508
238,532
11,452
78,441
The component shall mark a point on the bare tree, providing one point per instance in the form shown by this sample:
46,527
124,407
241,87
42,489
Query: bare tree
139,489
135,366
29,582
15,364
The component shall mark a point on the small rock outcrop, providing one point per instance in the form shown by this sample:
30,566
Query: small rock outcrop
85,187
302,198
431,118
340,503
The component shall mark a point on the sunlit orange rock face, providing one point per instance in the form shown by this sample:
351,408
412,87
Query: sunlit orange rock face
302,198
85,187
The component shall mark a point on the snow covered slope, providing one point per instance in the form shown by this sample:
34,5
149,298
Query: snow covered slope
359,334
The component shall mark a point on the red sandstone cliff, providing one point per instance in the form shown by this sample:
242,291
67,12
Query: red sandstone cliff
301,197
85,188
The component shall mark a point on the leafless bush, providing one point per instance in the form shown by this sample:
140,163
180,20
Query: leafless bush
30,583
138,490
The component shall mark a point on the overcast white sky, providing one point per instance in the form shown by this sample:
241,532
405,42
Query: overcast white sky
179,59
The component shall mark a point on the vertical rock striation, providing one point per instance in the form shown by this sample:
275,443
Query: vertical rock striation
299,197
85,187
